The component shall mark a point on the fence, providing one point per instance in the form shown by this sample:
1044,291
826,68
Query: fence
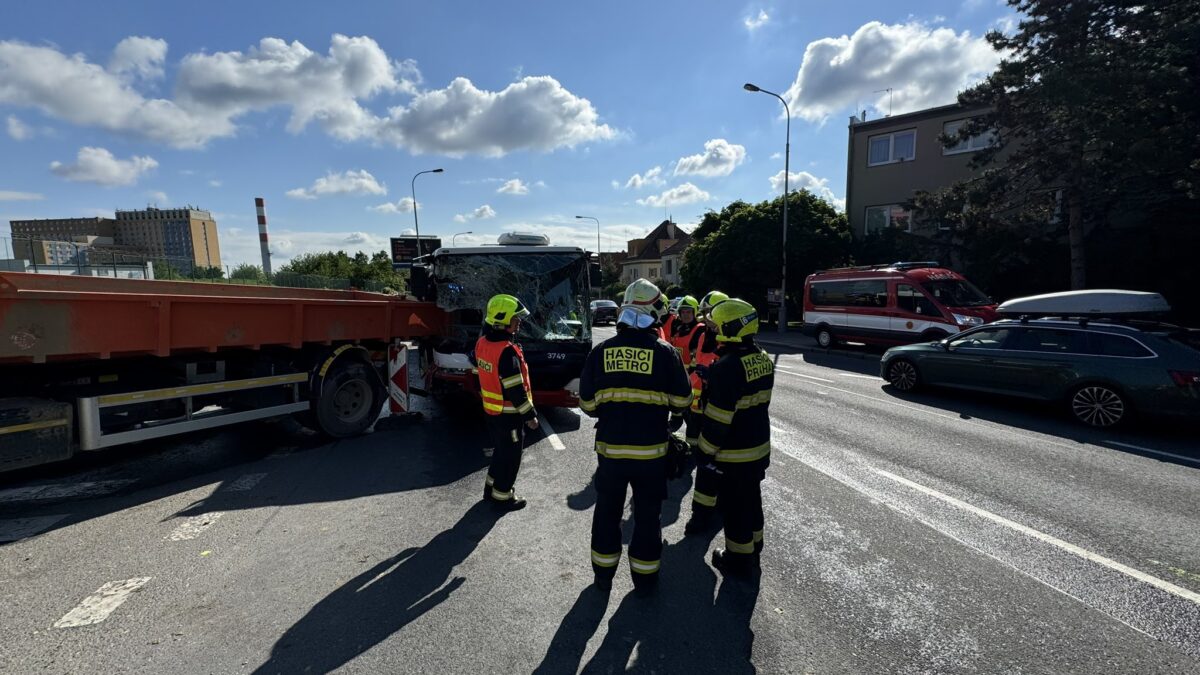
45,256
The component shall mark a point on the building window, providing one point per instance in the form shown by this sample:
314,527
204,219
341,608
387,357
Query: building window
890,215
972,144
900,146
653,272
667,267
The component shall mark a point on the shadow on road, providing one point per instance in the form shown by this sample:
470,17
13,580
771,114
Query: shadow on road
681,629
377,603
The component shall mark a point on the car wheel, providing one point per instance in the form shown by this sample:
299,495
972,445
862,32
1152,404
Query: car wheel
903,376
824,337
1097,405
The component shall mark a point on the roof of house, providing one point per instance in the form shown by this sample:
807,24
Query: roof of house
678,247
650,247
915,115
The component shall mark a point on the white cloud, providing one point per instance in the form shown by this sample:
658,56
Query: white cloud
776,155
972,5
652,178
482,213
680,194
753,23
514,187
213,91
214,183
11,196
533,113
138,58
97,165
1007,24
924,66
798,180
405,205
158,197
540,184
719,158
18,130
346,183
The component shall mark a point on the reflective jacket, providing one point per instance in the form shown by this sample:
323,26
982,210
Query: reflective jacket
680,335
702,347
632,382
503,376
737,426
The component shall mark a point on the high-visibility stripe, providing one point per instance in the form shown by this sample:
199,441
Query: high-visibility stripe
524,407
680,401
631,451
502,496
758,536
32,426
719,414
755,399
507,408
513,381
492,396
490,480
701,498
197,389
735,547
628,395
643,566
606,560
743,454
706,447
587,405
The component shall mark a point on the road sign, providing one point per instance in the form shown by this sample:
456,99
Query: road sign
774,296
404,249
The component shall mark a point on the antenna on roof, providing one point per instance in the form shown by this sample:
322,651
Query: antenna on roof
889,93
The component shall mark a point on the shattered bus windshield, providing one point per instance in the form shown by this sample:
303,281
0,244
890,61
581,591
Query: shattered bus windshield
553,285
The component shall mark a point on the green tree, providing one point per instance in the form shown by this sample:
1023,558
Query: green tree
736,249
1096,107
361,270
248,272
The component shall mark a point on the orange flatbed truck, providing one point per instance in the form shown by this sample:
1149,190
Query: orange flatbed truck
88,363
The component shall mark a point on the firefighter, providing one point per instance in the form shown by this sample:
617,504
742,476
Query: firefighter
737,432
632,383
683,326
507,397
703,350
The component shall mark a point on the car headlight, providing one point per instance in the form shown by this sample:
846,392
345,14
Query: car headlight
964,320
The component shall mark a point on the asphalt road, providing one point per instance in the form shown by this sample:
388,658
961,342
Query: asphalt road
931,533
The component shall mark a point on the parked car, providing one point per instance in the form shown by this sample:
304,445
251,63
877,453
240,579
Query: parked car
603,311
891,304
1101,371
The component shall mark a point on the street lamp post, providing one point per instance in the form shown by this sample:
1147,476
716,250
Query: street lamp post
787,153
416,223
597,233
455,236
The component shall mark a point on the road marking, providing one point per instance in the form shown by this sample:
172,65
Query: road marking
97,606
61,490
244,483
790,372
193,527
555,441
778,430
17,529
1042,536
864,377
1139,448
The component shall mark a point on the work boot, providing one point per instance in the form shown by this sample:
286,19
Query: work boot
487,493
699,522
509,505
602,583
731,564
645,587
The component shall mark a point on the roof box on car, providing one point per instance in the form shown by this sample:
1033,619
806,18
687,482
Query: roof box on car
1097,303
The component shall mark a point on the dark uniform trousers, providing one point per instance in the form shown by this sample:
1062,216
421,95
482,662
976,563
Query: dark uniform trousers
648,478
508,436
741,507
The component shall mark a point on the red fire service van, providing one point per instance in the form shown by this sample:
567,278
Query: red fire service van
892,304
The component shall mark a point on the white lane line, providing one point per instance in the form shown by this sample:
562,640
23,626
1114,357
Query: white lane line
576,412
1042,536
97,606
17,529
63,490
193,527
864,377
555,441
1139,448
778,430
243,483
811,377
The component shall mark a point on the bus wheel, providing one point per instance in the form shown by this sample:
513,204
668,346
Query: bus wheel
350,400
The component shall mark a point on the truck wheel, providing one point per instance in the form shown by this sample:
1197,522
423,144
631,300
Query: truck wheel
350,400
824,337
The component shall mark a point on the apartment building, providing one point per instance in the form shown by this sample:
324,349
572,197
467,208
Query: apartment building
892,158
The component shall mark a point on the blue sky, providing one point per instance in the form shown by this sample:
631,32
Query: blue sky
537,111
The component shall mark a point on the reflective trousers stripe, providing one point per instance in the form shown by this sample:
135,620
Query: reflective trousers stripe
743,454
735,547
502,496
631,451
701,498
489,480
758,536
643,566
606,560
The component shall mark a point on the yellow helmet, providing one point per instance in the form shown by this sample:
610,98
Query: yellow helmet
643,305
711,300
502,309
689,301
735,319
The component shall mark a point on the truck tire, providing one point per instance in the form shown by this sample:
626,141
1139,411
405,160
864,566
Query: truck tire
350,399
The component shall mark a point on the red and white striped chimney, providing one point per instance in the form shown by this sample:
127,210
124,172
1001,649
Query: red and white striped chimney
261,207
